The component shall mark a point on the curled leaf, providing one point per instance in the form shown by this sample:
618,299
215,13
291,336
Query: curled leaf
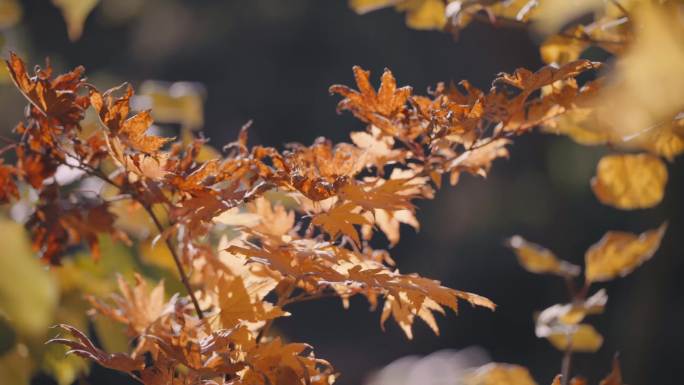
537,259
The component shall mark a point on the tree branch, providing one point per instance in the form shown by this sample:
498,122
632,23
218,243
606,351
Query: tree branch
176,259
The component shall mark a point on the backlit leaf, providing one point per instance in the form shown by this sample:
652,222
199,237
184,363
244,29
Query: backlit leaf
537,259
582,338
618,253
629,181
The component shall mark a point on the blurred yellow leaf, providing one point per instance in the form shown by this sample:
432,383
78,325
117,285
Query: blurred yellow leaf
499,374
28,295
180,102
666,140
65,369
424,14
75,13
646,88
618,253
551,15
582,338
629,181
132,218
537,259
16,366
365,6
10,13
157,255
420,14
580,124
561,49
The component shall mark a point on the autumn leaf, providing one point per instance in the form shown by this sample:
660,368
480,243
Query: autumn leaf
537,259
629,181
582,338
8,188
113,113
378,108
340,221
137,306
237,305
55,98
618,253
563,318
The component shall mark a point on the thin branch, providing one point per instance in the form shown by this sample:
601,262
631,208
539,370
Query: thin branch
177,261
566,364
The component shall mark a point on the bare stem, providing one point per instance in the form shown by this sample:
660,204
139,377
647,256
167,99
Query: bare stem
566,364
176,259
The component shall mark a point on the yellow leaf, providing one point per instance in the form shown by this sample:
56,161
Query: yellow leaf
499,374
180,102
340,221
28,295
551,15
237,305
75,13
583,338
157,254
618,253
559,316
537,259
580,125
364,6
561,49
629,181
16,366
420,14
10,13
424,14
646,88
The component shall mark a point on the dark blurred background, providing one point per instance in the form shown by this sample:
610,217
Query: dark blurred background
273,61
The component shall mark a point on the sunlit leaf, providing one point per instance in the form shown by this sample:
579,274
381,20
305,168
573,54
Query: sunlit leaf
582,338
537,259
28,295
629,181
618,253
